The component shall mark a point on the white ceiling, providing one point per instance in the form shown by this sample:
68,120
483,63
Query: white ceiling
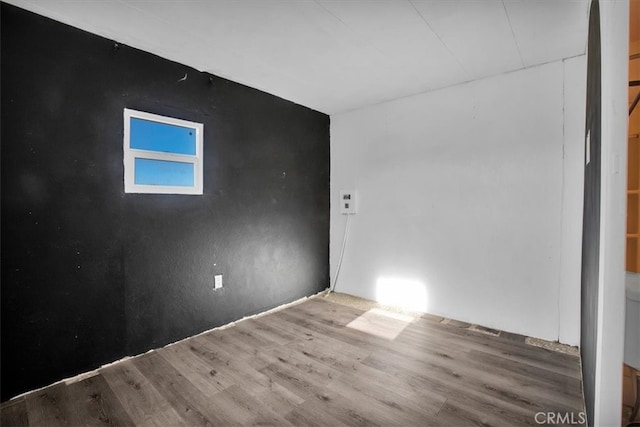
338,55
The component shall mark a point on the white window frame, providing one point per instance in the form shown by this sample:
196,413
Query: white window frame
130,154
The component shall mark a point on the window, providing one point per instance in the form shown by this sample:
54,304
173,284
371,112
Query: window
161,154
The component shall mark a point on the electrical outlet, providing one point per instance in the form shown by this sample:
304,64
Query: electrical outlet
217,281
348,202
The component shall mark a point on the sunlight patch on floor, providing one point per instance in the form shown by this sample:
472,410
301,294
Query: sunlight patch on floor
382,323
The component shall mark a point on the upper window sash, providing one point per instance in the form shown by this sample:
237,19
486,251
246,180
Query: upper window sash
149,140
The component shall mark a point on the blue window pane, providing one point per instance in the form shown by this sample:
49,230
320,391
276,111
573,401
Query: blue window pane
162,172
167,138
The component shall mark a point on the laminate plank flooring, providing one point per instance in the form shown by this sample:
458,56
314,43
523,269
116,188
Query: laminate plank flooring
48,406
98,406
14,413
142,401
319,363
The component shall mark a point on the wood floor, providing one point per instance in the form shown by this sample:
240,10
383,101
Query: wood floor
319,363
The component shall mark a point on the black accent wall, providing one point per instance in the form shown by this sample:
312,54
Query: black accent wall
91,274
591,215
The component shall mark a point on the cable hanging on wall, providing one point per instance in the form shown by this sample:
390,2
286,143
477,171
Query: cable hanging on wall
344,243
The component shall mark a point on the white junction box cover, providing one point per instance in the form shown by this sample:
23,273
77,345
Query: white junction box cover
348,202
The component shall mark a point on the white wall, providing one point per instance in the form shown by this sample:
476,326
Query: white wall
614,30
575,80
461,190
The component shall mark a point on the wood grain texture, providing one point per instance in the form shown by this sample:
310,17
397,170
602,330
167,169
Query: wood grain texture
14,413
91,402
305,365
141,400
49,406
